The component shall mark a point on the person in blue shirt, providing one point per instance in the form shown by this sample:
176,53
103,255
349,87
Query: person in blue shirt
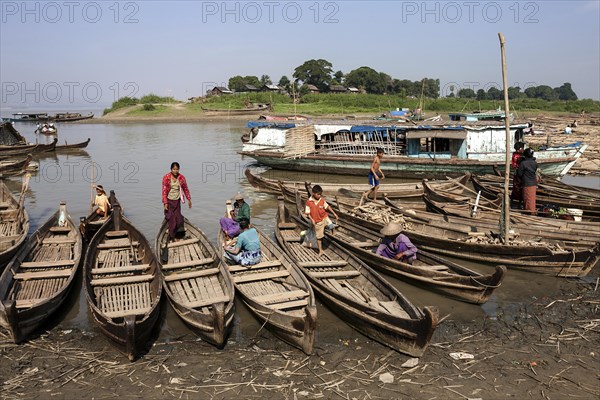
246,250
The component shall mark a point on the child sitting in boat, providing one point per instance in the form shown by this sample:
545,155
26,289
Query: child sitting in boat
245,249
396,245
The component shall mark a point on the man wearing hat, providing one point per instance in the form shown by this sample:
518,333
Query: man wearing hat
241,209
396,245
101,201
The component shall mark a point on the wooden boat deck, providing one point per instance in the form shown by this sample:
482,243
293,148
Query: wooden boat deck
191,275
39,278
121,286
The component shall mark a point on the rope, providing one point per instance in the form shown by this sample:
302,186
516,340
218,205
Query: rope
570,265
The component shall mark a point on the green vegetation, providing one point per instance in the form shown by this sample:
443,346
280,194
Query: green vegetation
132,101
320,104
148,110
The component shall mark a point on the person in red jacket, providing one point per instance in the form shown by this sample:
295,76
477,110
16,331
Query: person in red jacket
517,189
174,192
316,210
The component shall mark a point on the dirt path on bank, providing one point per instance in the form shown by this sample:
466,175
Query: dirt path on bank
548,348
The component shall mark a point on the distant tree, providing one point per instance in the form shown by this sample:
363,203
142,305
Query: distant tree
339,77
315,72
494,93
531,92
481,95
451,94
431,88
238,83
514,92
467,93
265,80
565,92
546,92
284,81
368,79
388,82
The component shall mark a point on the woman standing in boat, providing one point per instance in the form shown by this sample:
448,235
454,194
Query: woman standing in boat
527,173
174,192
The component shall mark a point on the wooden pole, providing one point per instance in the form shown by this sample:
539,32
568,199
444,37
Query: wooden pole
507,126
92,188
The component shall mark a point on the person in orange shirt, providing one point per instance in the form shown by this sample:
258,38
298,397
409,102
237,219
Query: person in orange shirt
316,209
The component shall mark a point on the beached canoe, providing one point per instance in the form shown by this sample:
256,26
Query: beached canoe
356,293
278,294
14,222
38,279
197,283
122,283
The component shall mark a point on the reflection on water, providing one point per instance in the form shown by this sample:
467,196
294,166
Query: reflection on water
132,158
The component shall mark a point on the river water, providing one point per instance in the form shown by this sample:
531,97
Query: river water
132,158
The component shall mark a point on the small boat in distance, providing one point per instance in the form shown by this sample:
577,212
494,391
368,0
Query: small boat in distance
46,129
69,117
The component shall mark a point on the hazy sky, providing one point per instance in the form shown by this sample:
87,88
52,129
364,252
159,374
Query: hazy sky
80,52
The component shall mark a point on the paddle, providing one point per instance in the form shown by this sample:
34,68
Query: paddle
22,194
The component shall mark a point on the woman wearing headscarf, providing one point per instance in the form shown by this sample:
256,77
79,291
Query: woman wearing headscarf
527,172
174,192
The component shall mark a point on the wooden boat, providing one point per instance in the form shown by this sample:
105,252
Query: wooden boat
16,150
356,293
455,191
27,117
46,129
8,167
428,270
534,255
568,229
70,117
122,283
38,279
73,146
392,190
197,283
14,222
278,295
259,109
489,185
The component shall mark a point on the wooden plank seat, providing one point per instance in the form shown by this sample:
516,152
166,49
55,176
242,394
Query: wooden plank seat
4,204
186,264
192,274
261,276
261,265
117,234
206,302
281,296
123,269
290,236
289,304
27,302
60,229
117,243
124,313
364,244
438,268
182,242
324,263
121,280
63,273
58,240
335,274
7,239
286,225
46,264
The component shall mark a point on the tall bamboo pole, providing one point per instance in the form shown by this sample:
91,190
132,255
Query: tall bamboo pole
505,233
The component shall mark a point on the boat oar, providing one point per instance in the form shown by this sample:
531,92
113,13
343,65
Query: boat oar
22,194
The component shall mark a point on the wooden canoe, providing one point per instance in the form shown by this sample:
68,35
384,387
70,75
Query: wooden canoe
14,167
356,293
559,229
14,224
197,283
429,271
589,204
122,282
278,294
73,146
38,279
541,256
391,190
453,191
16,150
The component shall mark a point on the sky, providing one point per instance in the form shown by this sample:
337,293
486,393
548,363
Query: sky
90,53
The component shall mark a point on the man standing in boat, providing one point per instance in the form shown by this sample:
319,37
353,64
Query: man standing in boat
374,173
